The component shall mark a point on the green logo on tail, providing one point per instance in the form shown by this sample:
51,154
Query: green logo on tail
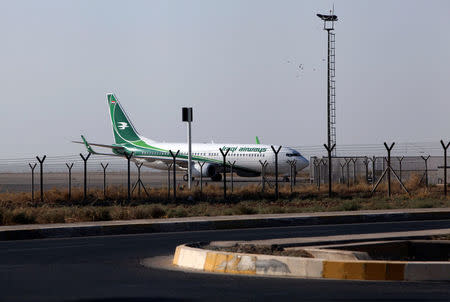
123,129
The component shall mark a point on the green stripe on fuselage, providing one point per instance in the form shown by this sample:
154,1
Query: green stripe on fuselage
143,149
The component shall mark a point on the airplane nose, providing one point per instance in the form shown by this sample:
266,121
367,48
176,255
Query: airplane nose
302,163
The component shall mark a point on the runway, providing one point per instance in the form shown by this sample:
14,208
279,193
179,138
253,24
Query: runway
107,269
21,182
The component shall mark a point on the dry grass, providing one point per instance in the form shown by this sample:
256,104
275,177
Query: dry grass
17,208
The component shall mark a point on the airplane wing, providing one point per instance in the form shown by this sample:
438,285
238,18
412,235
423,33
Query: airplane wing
162,156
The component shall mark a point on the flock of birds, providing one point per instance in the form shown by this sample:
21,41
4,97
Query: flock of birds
300,67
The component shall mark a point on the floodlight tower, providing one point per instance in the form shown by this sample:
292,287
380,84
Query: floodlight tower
328,25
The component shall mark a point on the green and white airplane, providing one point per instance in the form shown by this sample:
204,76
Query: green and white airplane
206,157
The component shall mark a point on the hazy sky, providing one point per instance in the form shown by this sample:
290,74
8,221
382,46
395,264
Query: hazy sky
229,60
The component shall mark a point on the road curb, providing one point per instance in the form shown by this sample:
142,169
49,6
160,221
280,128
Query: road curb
21,232
268,265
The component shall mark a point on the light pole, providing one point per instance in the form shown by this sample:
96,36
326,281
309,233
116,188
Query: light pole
188,117
328,25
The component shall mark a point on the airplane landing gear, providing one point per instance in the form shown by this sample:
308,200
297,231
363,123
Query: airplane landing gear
217,177
185,177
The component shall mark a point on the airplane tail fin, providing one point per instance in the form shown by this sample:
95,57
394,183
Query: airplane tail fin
123,129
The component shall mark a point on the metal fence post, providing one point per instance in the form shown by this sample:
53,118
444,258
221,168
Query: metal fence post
317,164
445,165
263,174
324,163
366,164
295,174
85,159
128,157
70,179
41,166
373,159
388,171
292,164
426,169
400,159
104,179
347,162
139,182
276,169
201,164
354,160
388,149
342,171
32,180
169,166
231,174
174,166
224,154
330,169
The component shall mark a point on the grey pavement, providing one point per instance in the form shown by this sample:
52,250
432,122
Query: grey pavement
348,238
107,268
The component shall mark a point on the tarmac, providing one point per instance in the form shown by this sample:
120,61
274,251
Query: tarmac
21,182
108,268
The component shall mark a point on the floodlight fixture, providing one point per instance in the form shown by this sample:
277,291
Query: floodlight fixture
328,20
327,17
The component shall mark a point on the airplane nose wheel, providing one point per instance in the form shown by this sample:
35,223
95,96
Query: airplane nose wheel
217,177
185,177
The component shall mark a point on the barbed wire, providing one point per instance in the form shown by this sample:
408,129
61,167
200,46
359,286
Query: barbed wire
57,162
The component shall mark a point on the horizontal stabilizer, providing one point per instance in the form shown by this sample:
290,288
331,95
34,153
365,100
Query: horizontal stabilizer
101,145
90,150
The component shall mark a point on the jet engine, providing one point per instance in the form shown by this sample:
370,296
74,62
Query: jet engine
208,170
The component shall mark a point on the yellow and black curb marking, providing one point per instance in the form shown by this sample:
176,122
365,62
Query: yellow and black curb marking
255,264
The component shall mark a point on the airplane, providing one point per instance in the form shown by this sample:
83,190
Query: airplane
207,159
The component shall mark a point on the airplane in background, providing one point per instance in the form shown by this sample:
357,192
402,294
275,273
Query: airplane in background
156,155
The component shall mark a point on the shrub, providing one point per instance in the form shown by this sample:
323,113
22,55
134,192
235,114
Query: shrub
21,216
157,212
228,212
177,212
424,204
350,205
51,216
244,210
142,212
101,214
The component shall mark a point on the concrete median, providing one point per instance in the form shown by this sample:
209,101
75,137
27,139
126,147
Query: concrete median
268,265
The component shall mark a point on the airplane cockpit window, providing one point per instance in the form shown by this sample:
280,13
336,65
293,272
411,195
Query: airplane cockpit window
293,153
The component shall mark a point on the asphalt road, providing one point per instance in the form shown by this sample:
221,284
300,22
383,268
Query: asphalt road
107,269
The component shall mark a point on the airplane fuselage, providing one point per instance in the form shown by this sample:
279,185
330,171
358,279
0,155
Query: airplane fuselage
246,157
